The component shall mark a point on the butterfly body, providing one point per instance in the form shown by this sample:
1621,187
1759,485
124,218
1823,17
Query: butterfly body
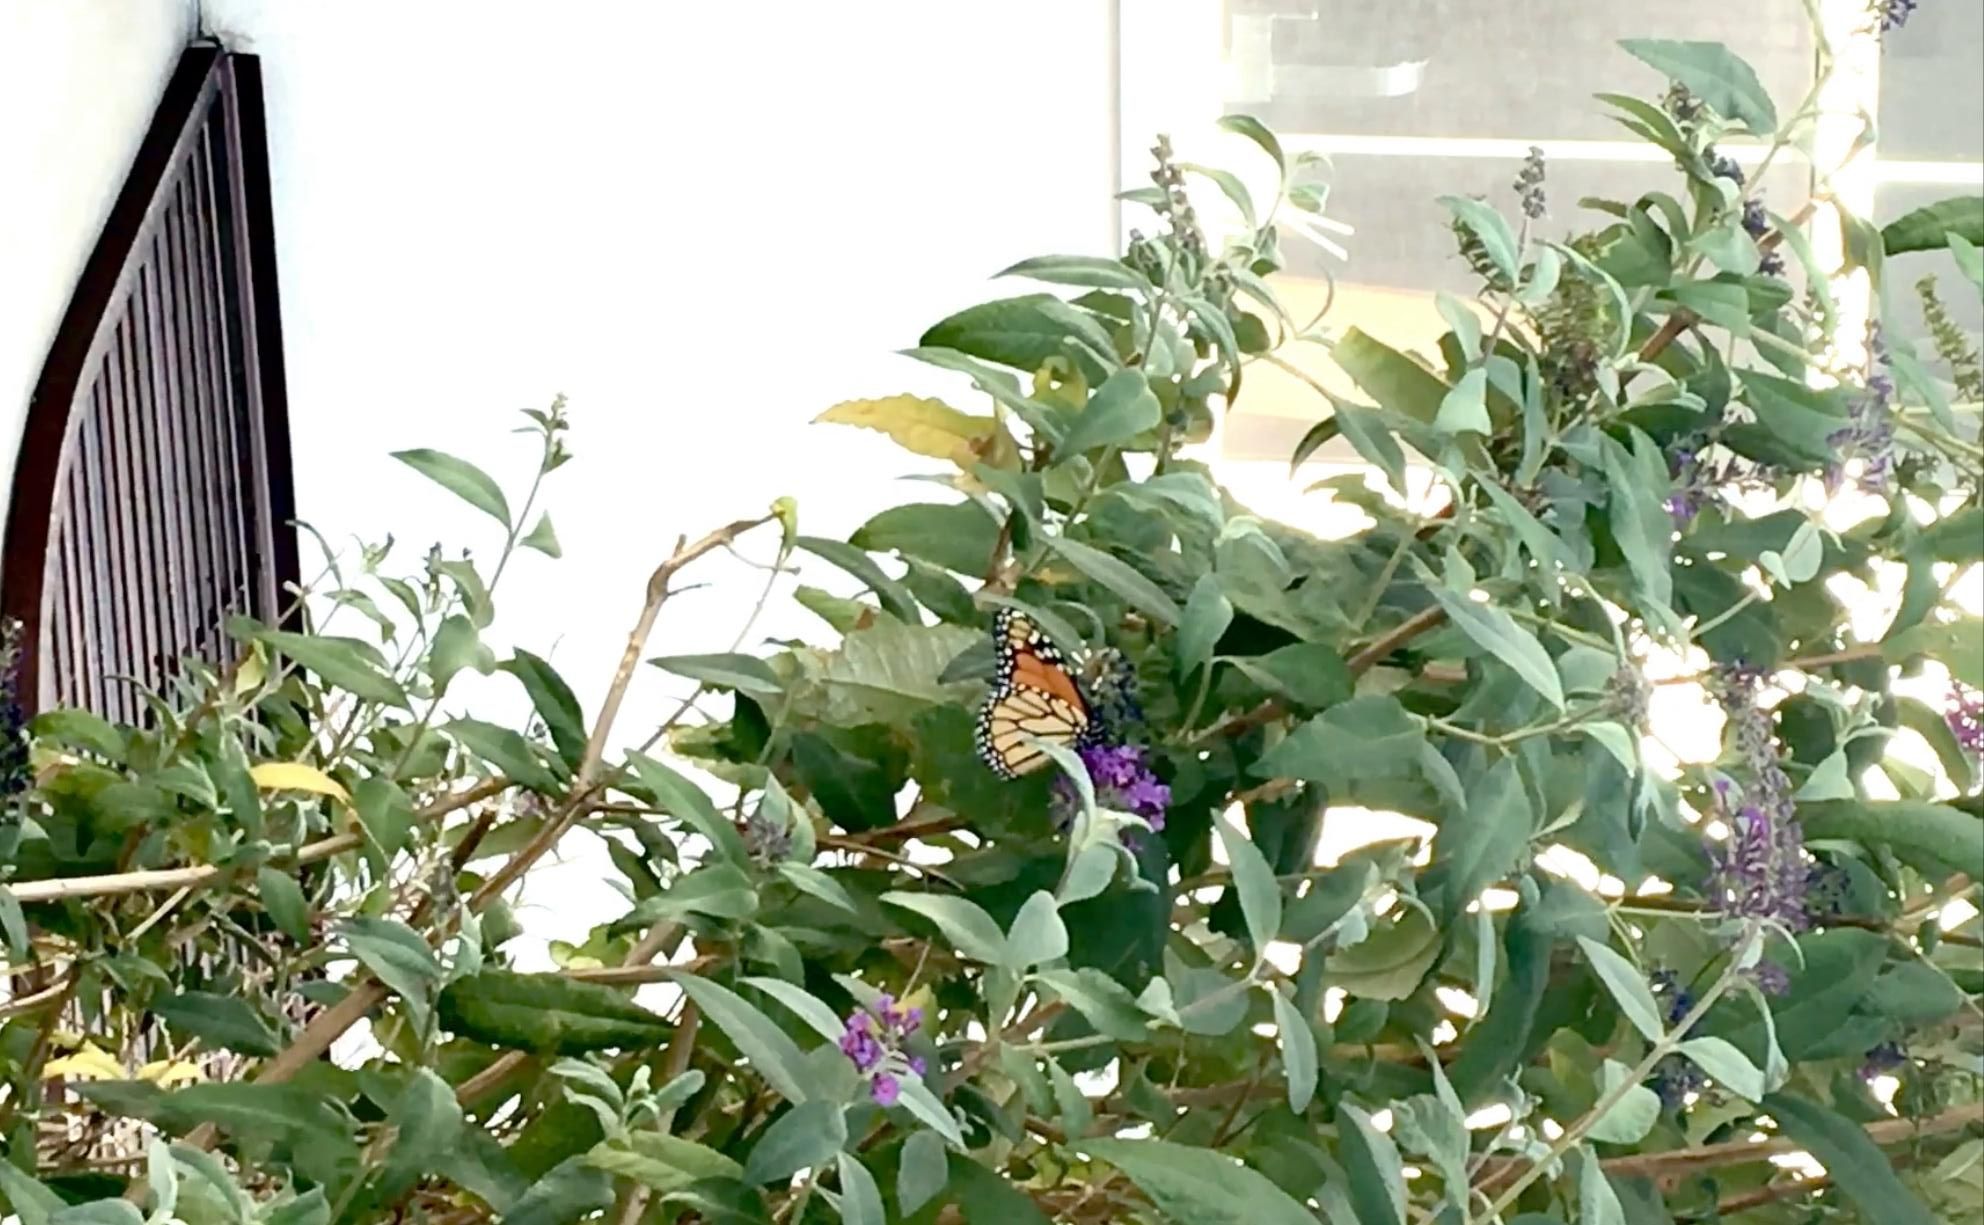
1034,694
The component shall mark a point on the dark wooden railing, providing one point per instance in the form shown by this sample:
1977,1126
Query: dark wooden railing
152,498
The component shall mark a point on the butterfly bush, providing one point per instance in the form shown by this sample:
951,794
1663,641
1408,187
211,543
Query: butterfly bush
1124,781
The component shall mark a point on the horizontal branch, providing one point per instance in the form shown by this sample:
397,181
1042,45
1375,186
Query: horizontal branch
157,879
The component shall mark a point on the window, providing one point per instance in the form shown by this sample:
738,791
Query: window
1412,99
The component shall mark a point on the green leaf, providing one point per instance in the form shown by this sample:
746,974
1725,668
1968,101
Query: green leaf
958,536
964,923
890,671
1260,895
1076,1111
220,1021
804,1004
1101,1000
1936,838
1372,438
30,1201
860,1198
1628,989
429,1127
1377,1177
773,1054
1957,644
397,955
1037,935
1208,614
1122,408
1857,1166
1730,1067
1497,239
1136,590
805,1136
543,538
1479,845
1256,131
1023,333
1306,673
515,757
1088,270
743,673
1367,738
554,702
100,1212
347,663
687,803
894,596
1298,1050
1230,185
719,890
1598,1203
1629,1120
1465,408
1713,73
662,1162
458,645
461,478
1719,303
81,730
14,925
571,1190
1046,421
1394,380
1497,633
1390,963
1638,485
548,1012
1969,259
1794,425
1927,228
1198,1185
923,1174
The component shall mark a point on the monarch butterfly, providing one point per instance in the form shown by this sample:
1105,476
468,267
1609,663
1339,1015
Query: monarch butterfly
1034,695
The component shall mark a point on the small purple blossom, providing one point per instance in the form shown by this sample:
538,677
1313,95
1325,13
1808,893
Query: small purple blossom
1722,166
873,1042
1701,475
1756,223
1674,1078
1667,987
1868,434
1770,977
1123,781
1965,716
1892,14
1761,870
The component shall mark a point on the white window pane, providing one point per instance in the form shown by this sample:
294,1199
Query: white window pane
1932,95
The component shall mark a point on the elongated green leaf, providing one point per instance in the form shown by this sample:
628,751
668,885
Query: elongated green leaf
554,702
1641,523
1101,1000
429,1126
1927,228
30,1201
744,673
964,923
806,1136
353,666
1377,1177
1118,577
773,1054
719,890
860,1198
1199,1185
1713,73
1122,408
568,1192
804,1005
1633,1116
924,1171
957,536
1497,239
1497,633
663,1163
548,1012
1394,380
1730,1067
1023,333
1936,837
397,955
1208,613
512,755
1298,1051
1628,989
1260,894
687,803
461,478
894,596
1088,270
1478,846
1856,1165
219,1021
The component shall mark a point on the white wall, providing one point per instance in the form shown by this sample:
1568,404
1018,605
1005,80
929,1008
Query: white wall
706,223
79,80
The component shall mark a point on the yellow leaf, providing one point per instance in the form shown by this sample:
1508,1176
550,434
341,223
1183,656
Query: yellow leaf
295,776
925,427
170,1072
89,1063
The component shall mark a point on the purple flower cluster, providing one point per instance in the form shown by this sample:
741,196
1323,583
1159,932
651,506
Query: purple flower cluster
1892,14
1123,781
1701,474
1667,986
1674,1078
1529,186
873,1042
1882,1059
1756,223
1761,870
1869,432
1966,717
